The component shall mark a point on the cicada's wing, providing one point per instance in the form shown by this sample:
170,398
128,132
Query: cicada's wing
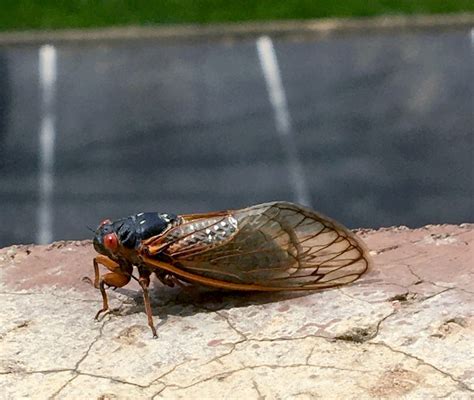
272,246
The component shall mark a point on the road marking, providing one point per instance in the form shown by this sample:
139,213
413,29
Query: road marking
472,36
277,97
47,137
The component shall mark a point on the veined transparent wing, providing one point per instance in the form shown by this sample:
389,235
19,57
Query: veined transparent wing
271,246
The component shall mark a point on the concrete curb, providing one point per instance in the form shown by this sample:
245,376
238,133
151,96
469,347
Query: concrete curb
235,31
404,330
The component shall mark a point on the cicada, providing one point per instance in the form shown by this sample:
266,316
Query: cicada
276,246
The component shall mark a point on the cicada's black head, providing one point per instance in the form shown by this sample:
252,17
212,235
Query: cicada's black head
128,232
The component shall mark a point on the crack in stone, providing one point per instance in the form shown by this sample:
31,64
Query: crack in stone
55,394
233,344
231,325
234,347
77,373
419,278
168,372
259,393
160,391
214,359
364,334
436,294
446,287
112,379
224,375
379,324
219,357
96,339
243,339
387,249
341,290
294,338
421,361
406,300
310,354
158,379
17,327
76,366
226,319
46,371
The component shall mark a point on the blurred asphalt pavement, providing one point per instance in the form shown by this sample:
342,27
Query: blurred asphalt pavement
382,124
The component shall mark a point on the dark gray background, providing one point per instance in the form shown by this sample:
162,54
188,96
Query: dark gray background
383,125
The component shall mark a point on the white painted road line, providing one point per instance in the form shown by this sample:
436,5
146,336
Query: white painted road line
276,94
47,138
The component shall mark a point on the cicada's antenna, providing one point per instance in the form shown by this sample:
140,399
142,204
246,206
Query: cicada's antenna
88,227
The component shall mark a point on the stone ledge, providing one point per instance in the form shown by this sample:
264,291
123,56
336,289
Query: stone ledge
404,330
244,30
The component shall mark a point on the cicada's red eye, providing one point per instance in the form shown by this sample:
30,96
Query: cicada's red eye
111,241
105,222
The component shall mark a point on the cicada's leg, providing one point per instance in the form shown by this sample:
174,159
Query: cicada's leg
172,281
111,265
144,281
115,279
163,278
119,277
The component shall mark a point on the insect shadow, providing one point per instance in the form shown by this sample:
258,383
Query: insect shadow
196,299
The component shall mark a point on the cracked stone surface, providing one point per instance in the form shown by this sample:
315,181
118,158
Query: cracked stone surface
405,330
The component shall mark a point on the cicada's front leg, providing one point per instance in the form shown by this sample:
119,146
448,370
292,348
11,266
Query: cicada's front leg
119,276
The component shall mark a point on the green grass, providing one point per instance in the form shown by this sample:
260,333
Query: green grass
50,14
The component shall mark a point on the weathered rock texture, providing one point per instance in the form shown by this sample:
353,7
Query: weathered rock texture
405,330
